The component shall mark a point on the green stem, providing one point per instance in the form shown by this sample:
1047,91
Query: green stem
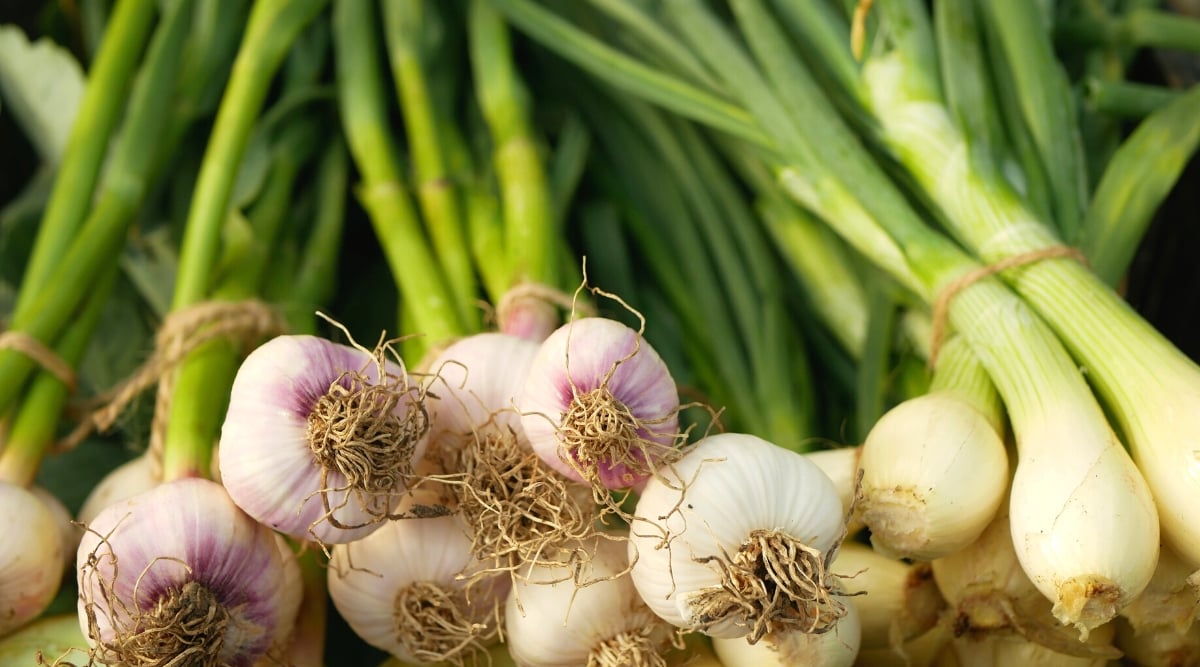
1126,99
36,421
315,279
51,303
365,123
407,24
525,194
960,372
273,27
1142,27
102,102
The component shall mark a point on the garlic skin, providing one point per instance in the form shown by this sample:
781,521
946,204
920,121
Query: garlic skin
549,622
477,380
726,492
841,465
899,601
934,473
837,648
182,551
572,367
30,558
266,452
62,520
127,480
367,579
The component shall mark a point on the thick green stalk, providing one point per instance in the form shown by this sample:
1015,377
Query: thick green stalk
36,421
567,165
959,371
1141,27
103,100
201,386
649,31
273,27
529,224
50,304
365,123
1126,99
316,277
407,25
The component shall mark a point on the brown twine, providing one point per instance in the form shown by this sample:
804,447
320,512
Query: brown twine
941,306
181,333
42,354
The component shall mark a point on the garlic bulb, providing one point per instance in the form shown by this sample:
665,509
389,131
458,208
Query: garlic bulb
838,647
30,558
181,571
67,531
599,404
734,518
896,602
125,481
595,618
841,466
319,438
404,589
934,474
476,381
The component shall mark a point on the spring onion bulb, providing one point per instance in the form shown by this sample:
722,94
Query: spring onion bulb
896,601
30,558
988,593
180,574
934,474
319,437
404,589
594,617
1158,645
922,651
837,648
599,405
734,540
1171,599
1007,650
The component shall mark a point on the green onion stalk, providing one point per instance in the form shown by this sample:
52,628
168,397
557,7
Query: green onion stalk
197,404
529,227
35,313
1151,388
82,287
1082,515
424,287
412,29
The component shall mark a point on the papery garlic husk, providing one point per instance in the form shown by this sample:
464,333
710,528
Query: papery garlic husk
841,466
922,651
988,593
934,474
837,648
30,557
1009,650
1158,645
67,530
599,405
559,617
315,443
476,381
181,569
734,517
406,589
1172,598
127,480
896,601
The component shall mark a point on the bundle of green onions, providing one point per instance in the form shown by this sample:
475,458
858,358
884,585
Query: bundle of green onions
722,332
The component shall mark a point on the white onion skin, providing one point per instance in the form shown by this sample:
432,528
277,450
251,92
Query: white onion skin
265,458
642,383
30,557
188,521
737,484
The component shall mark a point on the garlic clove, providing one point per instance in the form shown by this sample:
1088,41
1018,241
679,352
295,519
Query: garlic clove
30,557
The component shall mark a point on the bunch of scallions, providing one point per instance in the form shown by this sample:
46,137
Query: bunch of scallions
598,333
